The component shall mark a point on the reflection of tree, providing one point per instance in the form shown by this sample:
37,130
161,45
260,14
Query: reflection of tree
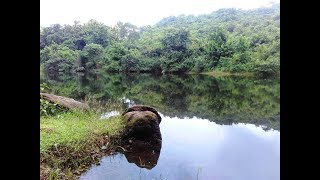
218,99
222,99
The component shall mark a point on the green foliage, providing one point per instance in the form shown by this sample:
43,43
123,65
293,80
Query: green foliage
47,108
200,64
227,40
124,32
57,52
91,55
112,67
44,87
175,40
96,33
217,47
59,57
267,68
92,51
122,58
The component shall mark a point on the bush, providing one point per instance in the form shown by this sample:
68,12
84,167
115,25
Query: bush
239,62
112,67
149,64
200,64
267,68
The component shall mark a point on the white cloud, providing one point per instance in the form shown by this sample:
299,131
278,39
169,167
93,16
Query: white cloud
138,12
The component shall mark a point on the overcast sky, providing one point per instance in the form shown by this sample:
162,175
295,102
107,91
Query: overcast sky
137,12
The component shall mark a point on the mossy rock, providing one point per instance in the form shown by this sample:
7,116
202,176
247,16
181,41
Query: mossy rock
142,108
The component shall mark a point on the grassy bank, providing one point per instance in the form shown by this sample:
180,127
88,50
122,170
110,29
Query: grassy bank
72,141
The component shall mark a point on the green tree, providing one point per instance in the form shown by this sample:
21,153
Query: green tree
175,49
96,33
227,40
58,57
91,56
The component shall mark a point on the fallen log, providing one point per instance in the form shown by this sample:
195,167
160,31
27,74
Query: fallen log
66,102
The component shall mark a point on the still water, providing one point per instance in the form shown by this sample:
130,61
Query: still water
225,128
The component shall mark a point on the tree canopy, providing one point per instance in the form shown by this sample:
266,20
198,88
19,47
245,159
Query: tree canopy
232,40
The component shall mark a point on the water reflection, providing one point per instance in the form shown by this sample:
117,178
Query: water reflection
143,154
212,128
194,148
224,100
109,114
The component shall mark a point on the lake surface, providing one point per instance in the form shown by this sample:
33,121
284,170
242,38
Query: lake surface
225,128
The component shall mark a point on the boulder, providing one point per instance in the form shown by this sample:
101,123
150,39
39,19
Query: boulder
68,103
141,139
142,108
141,122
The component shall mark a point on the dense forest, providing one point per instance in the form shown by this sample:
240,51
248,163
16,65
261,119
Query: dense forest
231,40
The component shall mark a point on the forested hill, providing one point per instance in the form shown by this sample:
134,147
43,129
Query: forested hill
232,40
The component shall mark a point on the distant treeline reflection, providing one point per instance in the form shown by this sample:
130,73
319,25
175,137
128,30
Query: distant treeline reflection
224,100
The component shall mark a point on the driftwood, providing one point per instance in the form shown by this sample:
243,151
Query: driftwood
64,101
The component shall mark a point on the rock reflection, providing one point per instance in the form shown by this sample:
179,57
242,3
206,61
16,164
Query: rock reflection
141,140
144,154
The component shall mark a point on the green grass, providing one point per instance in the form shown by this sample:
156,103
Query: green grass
75,128
72,141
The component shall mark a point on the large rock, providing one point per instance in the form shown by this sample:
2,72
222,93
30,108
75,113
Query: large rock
141,138
142,108
142,122
68,103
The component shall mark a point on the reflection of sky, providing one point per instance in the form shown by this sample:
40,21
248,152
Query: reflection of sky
241,151
109,114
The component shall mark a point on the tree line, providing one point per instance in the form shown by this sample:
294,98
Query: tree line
232,40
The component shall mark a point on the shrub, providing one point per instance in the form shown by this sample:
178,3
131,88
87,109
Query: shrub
267,68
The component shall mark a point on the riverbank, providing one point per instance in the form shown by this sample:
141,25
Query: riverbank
71,142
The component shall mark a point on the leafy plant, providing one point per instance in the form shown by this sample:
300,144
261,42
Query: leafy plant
48,108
